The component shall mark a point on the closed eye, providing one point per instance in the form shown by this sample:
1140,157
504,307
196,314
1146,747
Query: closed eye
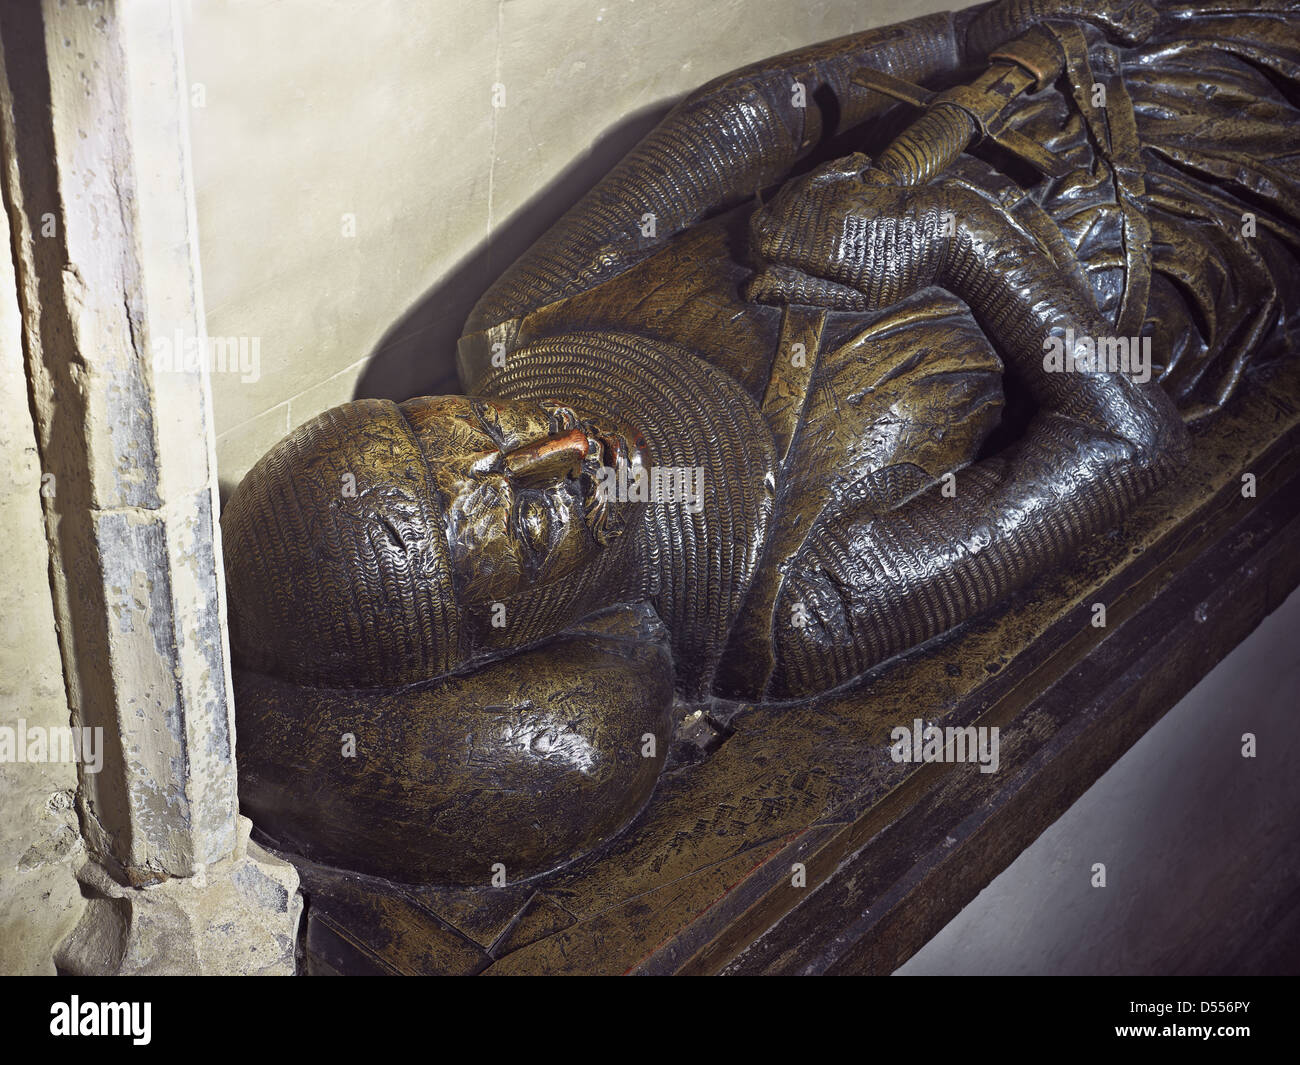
563,419
535,521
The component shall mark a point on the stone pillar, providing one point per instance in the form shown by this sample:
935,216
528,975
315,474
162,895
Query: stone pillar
40,844
97,188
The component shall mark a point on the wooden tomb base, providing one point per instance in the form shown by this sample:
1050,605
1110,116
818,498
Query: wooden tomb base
703,881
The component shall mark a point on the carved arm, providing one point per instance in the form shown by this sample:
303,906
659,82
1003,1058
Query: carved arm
873,584
742,133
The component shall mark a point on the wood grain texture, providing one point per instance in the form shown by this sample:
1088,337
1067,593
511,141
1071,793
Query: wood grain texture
701,882
826,290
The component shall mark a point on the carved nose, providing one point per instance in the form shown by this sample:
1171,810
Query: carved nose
555,456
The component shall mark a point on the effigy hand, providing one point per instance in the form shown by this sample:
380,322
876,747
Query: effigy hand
846,238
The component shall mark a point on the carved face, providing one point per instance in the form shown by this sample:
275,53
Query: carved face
522,489
383,545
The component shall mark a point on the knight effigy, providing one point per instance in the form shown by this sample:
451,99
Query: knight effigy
858,342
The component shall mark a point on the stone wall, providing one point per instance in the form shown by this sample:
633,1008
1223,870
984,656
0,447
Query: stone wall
357,187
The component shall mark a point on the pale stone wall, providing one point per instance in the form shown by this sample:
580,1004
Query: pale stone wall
304,112
112,591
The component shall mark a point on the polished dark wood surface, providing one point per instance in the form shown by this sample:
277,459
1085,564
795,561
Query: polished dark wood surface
701,882
821,300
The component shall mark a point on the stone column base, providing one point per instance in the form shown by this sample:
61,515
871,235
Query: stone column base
237,917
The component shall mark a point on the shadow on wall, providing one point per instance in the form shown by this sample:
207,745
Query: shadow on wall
417,354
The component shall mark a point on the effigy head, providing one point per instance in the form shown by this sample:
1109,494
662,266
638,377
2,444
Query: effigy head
381,545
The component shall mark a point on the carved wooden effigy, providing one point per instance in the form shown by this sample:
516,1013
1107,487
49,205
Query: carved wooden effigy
857,344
